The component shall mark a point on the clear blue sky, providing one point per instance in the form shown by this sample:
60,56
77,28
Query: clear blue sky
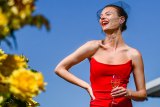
73,23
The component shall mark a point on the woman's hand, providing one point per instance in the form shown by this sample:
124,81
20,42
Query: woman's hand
121,91
90,91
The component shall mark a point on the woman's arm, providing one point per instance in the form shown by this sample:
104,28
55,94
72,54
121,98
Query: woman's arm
138,73
62,69
139,78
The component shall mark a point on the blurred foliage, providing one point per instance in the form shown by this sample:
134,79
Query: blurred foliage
18,83
15,14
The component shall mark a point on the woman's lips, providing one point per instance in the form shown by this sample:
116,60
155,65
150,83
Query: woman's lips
104,23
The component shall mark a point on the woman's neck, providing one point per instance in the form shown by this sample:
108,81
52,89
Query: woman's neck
113,40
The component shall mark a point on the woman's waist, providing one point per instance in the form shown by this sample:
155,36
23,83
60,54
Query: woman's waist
105,86
102,94
106,95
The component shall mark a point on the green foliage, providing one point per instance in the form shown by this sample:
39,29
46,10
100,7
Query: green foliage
15,14
19,83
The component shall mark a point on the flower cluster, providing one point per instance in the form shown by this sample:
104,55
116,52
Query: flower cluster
15,14
18,83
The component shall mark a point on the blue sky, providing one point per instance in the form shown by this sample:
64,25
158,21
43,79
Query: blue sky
73,23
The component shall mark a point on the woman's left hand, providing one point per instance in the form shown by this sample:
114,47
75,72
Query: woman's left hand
119,92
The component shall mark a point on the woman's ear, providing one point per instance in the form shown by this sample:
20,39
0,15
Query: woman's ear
122,20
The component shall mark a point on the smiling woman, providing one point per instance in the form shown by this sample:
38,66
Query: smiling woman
114,10
109,58
110,13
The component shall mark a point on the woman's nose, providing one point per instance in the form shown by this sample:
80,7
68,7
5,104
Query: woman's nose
102,17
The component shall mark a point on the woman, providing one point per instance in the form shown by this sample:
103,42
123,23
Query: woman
108,57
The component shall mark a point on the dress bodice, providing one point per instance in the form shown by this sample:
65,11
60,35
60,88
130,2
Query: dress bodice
100,78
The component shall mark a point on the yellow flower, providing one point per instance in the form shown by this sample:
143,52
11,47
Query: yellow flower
20,60
14,10
3,19
27,1
11,63
24,83
22,14
1,51
40,80
11,2
3,56
1,99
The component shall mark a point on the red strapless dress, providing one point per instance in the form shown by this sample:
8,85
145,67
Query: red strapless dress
100,78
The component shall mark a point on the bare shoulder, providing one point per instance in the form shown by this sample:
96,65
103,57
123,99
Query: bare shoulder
135,55
93,44
134,52
87,49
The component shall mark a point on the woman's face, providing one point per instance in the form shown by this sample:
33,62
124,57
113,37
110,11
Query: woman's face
109,19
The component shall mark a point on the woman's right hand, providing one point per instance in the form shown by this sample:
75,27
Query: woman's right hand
90,91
